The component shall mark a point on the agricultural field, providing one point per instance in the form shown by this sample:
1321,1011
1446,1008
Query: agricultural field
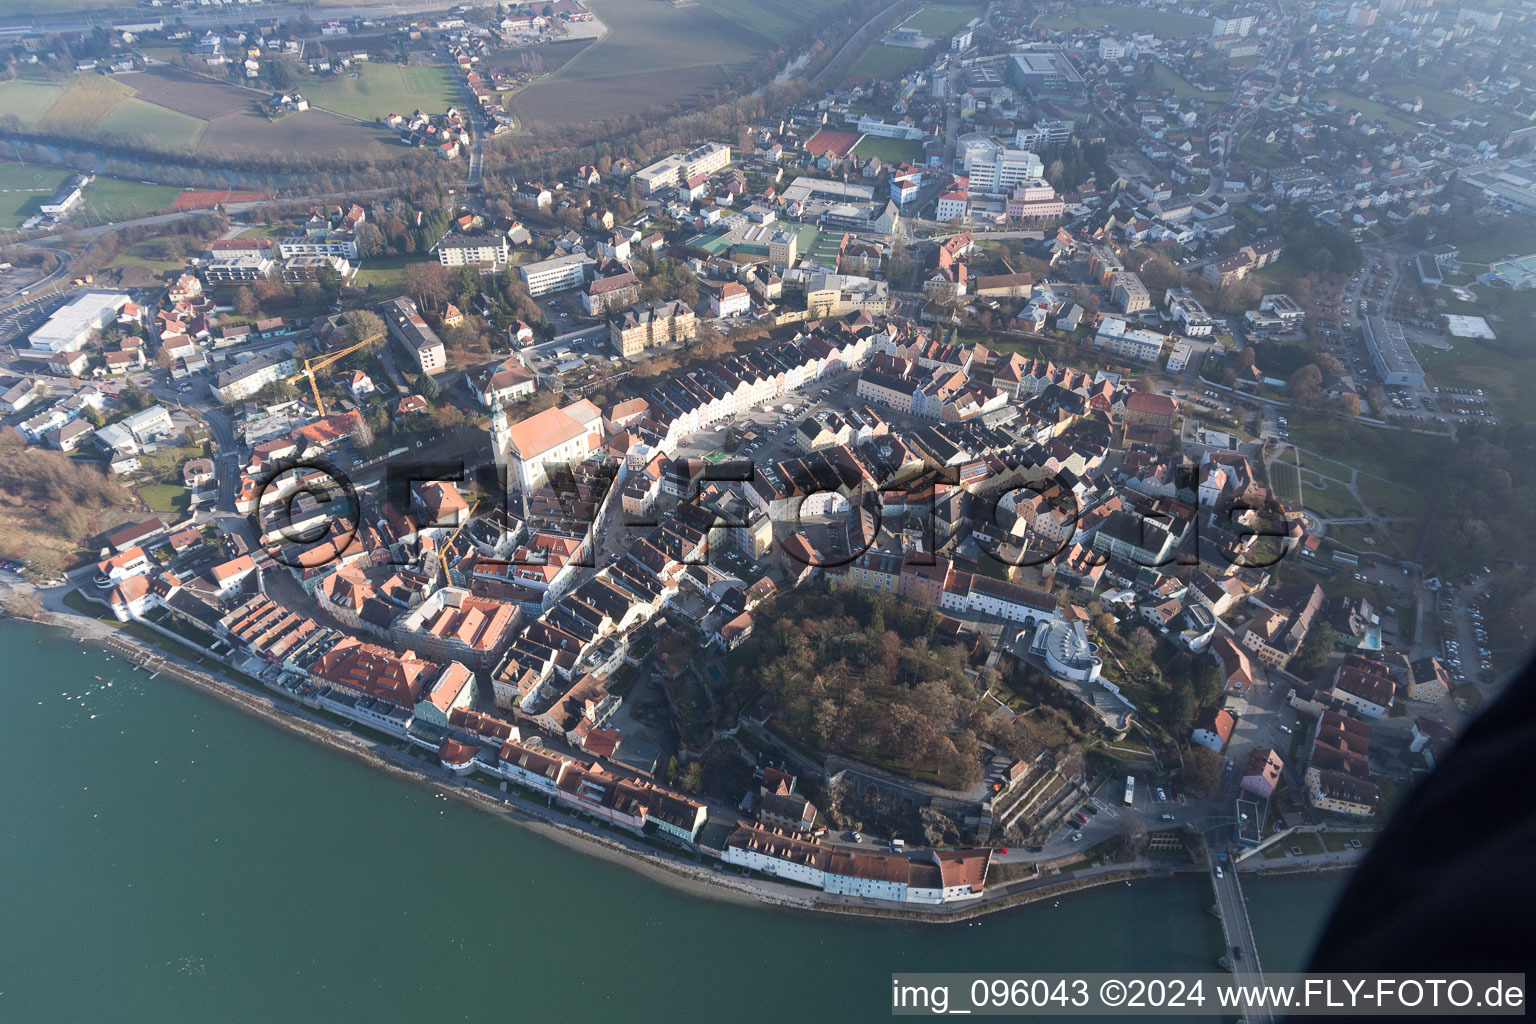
174,111
86,104
889,150
657,55
882,61
938,22
28,101
773,20
381,89
169,129
1167,24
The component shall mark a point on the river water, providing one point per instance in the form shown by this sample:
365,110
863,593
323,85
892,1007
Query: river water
169,858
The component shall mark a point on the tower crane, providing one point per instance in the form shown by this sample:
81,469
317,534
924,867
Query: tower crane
442,549
312,366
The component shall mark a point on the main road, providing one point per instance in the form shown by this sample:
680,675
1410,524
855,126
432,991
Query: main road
1242,950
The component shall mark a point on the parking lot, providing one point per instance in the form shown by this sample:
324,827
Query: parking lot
1463,635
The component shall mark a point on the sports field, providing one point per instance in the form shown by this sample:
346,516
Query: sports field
23,189
382,89
883,61
938,22
889,150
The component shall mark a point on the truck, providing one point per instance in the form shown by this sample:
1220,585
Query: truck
1130,790
897,845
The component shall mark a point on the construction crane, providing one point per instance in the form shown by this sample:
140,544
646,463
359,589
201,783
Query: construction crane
442,549
312,366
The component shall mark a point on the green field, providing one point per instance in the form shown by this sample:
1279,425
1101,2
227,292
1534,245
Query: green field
381,89
1389,454
1164,77
889,150
170,129
172,498
29,100
96,106
774,20
1390,500
657,55
87,103
23,189
938,22
116,199
1505,374
143,254
882,61
1167,24
385,274
1379,111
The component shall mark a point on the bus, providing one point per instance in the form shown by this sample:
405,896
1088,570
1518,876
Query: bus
1130,790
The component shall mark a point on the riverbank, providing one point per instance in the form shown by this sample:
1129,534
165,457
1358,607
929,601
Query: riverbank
675,870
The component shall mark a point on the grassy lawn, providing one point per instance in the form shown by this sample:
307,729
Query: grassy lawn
936,22
170,498
887,62
889,150
1325,467
1390,454
139,255
1164,77
1306,842
1377,111
1168,24
1503,368
381,89
75,602
383,273
1332,501
1388,499
1359,538
1494,241
1337,841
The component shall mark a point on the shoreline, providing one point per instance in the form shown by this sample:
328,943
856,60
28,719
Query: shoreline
591,838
